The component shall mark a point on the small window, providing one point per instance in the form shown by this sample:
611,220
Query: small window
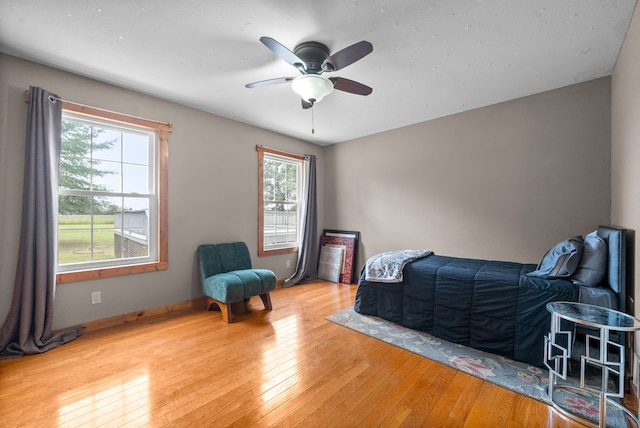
280,196
111,200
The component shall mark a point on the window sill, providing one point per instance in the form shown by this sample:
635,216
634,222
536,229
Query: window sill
275,252
84,275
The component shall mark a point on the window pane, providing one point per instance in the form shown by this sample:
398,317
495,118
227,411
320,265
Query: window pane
133,228
106,176
108,228
268,180
136,227
106,144
74,205
135,179
136,149
291,192
75,153
281,172
78,242
136,204
74,173
103,221
85,231
74,245
282,225
76,139
103,244
109,206
292,173
268,191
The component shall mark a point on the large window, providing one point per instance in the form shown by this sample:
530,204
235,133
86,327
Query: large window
280,196
112,204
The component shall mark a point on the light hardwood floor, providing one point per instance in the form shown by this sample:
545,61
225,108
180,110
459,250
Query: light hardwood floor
287,367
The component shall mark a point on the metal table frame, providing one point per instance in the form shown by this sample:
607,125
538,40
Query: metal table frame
609,357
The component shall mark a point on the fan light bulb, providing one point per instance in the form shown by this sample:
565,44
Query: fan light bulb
312,87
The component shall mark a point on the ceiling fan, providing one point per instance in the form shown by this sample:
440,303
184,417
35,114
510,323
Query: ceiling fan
312,59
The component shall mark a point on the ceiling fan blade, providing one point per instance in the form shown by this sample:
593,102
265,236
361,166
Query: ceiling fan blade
351,86
284,53
269,82
306,104
347,56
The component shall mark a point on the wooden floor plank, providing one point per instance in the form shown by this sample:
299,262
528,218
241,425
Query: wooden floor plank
329,406
424,398
285,367
359,403
445,406
320,369
384,403
464,403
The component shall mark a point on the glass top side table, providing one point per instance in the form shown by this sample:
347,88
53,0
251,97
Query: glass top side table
601,354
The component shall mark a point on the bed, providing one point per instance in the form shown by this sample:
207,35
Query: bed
494,306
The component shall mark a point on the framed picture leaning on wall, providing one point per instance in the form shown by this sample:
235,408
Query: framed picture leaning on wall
348,241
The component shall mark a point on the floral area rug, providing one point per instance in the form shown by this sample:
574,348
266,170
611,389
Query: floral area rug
513,375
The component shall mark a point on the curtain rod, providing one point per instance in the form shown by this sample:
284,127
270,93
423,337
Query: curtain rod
71,103
51,98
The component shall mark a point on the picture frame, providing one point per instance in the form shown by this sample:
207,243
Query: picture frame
348,241
330,264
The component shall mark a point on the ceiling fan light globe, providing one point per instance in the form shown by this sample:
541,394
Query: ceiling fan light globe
312,87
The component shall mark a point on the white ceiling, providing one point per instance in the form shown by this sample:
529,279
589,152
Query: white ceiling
430,58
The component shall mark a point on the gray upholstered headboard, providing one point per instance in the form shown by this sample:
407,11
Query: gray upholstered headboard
616,277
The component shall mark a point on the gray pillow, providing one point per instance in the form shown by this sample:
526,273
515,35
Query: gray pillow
593,264
562,260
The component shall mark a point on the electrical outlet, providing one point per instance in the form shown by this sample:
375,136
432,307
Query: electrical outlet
96,297
288,263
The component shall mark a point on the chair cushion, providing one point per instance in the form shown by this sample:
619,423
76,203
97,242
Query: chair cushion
239,284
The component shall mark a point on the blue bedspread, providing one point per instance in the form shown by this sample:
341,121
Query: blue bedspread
488,305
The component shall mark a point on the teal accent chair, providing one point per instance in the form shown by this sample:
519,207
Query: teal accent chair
227,277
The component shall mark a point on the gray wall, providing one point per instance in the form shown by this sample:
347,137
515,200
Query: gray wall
213,187
625,138
502,182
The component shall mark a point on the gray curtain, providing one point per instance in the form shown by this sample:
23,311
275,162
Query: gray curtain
307,266
27,329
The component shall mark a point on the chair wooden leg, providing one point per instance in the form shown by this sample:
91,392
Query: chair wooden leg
210,302
266,299
227,313
225,309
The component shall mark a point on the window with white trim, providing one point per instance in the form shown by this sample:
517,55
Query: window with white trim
280,196
111,198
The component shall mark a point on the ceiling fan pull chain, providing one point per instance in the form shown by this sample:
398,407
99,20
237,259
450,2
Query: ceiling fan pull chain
313,123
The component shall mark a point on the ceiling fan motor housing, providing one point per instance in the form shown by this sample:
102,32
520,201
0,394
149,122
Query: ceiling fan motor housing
313,54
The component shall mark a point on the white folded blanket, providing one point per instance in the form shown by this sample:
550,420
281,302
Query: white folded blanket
387,266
